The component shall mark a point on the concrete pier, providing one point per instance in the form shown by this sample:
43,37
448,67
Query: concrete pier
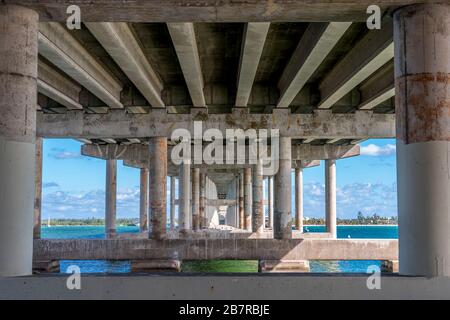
330,197
422,74
282,200
172,202
18,74
195,198
299,199
270,200
202,210
248,198
257,196
110,198
184,210
143,197
241,201
38,190
158,186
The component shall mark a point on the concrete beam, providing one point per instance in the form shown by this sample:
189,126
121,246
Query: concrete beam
121,44
119,124
58,46
210,10
255,34
301,152
315,45
378,88
233,249
183,38
373,51
58,87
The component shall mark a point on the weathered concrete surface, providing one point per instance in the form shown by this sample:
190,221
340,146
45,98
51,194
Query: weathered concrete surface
61,48
213,233
57,86
185,43
158,186
38,190
233,287
282,215
254,37
18,74
257,198
184,210
322,124
212,11
143,199
172,265
315,45
110,198
212,249
121,44
374,50
423,138
302,155
283,266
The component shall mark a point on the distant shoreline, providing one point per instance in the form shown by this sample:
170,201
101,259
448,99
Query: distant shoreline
305,225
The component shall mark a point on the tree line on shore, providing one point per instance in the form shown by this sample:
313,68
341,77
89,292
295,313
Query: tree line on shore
374,219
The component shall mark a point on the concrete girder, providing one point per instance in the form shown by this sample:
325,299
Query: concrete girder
301,152
211,10
183,38
58,87
58,46
378,88
255,34
373,51
121,44
119,124
314,46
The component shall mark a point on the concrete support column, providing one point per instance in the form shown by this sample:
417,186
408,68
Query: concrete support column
248,199
330,197
184,203
195,198
299,199
143,214
270,200
282,228
18,73
257,205
422,75
158,186
110,198
241,201
202,211
172,202
38,190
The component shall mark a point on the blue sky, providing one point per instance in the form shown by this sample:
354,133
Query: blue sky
73,185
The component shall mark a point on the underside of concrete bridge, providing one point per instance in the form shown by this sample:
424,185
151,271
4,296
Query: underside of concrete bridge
138,77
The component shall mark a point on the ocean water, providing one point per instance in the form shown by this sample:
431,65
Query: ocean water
102,266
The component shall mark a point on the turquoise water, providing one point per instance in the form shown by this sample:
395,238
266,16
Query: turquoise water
97,232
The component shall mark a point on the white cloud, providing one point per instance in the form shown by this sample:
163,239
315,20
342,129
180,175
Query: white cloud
374,150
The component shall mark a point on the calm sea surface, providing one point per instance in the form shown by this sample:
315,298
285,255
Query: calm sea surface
97,232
